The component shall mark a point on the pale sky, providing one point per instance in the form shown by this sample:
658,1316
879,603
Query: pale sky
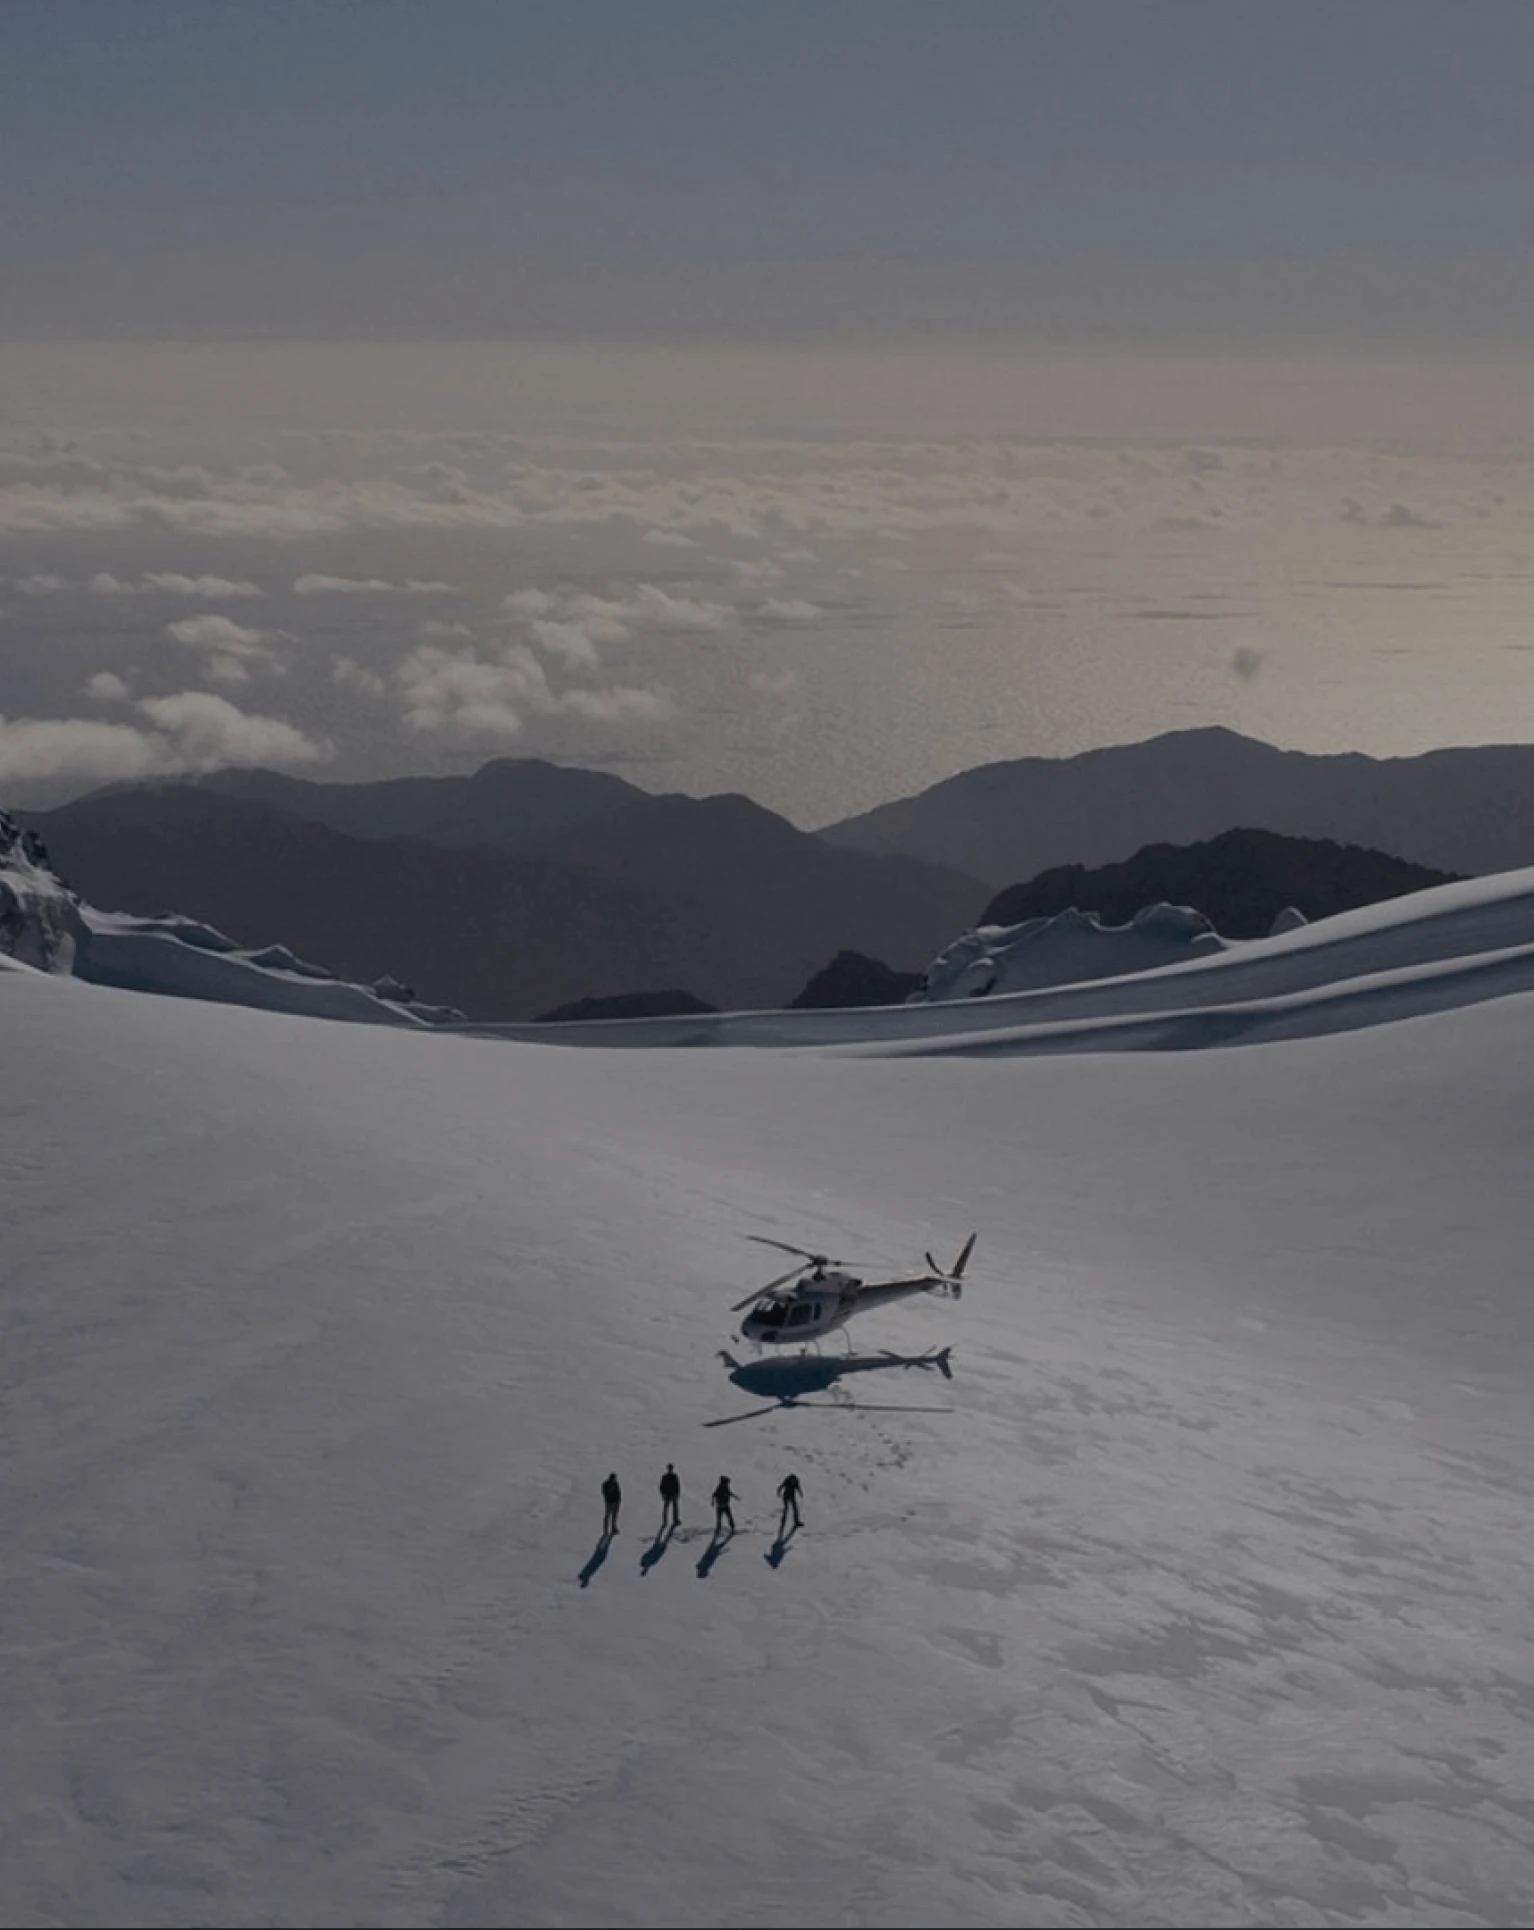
1176,169
811,400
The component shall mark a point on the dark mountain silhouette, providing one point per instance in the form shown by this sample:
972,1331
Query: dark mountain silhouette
497,935
767,884
746,868
854,979
1468,811
716,894
1240,881
510,803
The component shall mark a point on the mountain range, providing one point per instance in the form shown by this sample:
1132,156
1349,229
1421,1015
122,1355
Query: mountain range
510,892
1461,810
529,886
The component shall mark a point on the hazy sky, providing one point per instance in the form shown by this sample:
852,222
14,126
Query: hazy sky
1316,168
806,399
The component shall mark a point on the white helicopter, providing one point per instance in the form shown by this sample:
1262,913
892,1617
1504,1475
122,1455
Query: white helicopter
823,1297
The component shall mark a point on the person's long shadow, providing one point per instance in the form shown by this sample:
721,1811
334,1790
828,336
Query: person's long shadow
774,1555
598,1556
712,1553
656,1549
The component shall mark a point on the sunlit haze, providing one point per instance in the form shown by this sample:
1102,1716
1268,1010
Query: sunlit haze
806,401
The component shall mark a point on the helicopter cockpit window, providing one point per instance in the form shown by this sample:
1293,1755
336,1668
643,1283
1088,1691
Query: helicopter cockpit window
773,1314
800,1316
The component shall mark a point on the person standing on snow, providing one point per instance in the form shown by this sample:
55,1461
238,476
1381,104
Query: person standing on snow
612,1498
670,1499
724,1494
789,1490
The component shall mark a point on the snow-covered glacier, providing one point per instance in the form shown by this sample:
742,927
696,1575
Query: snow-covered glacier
1200,1593
45,925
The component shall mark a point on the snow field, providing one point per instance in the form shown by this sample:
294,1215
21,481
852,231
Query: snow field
1201,1593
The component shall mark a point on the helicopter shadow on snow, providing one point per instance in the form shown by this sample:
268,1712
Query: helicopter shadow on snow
790,1381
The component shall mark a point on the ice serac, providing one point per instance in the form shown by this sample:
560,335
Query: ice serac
40,921
45,925
1066,949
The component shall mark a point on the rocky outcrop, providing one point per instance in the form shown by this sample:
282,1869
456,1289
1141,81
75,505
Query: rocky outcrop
852,978
40,922
1242,881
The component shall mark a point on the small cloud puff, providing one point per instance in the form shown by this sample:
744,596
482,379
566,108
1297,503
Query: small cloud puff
1397,516
190,731
106,687
207,732
574,627
791,609
315,584
466,695
233,647
216,589
350,675
217,633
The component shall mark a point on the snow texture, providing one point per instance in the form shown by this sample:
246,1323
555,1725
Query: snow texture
1199,1594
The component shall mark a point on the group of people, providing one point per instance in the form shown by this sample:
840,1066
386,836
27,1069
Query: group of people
789,1490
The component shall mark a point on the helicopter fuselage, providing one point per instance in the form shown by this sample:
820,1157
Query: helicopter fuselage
819,1304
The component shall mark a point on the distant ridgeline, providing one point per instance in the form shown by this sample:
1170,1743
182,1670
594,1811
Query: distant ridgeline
1469,811
1241,881
1098,923
535,889
517,891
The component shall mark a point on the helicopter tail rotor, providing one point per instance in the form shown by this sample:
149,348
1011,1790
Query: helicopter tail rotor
953,1277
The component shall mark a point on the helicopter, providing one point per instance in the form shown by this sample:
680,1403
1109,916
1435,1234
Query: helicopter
824,1296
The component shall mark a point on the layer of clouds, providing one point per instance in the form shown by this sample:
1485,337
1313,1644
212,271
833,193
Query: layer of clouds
675,563
214,589
646,607
191,730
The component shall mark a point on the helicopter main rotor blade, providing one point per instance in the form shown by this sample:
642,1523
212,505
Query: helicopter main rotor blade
815,1259
761,1293
784,1247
